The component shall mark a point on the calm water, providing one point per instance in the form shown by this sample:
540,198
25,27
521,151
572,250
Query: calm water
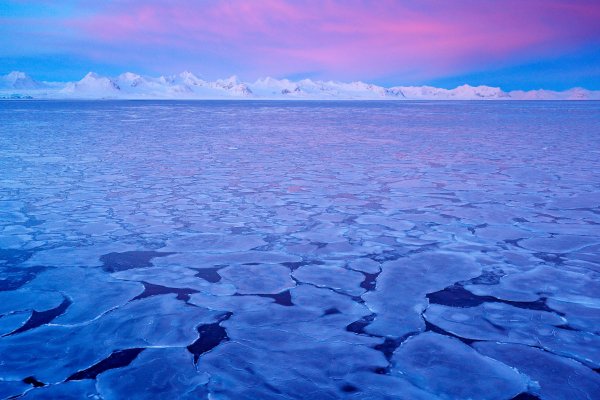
312,250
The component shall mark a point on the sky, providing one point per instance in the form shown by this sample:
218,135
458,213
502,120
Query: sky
514,44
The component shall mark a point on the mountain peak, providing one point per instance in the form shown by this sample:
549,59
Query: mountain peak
187,74
91,85
18,80
16,75
189,78
91,75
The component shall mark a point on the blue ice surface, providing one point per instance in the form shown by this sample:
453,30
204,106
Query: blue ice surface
299,250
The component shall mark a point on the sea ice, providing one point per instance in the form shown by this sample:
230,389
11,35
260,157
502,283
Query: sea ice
504,323
442,365
556,378
399,298
331,276
261,278
167,373
327,250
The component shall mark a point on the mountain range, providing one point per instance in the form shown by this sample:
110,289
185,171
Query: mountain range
19,85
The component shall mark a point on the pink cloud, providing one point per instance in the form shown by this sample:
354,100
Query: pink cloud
349,38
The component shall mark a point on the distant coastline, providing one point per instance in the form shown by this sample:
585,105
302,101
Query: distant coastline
186,86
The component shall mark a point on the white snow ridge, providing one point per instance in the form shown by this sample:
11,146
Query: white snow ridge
19,85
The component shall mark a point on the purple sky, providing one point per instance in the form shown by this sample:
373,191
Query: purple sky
510,43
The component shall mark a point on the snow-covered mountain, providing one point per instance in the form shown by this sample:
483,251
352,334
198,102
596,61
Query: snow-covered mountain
91,86
541,94
308,89
18,80
133,86
188,86
464,92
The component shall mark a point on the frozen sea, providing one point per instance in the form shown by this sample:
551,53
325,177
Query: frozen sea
299,250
